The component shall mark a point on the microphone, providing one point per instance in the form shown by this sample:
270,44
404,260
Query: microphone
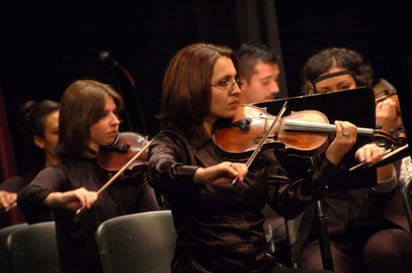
105,57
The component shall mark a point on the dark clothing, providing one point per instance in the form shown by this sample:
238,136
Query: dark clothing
360,224
76,241
219,227
16,183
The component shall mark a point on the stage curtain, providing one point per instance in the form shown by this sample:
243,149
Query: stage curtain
7,165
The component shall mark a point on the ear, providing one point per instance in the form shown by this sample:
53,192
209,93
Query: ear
244,83
38,141
310,90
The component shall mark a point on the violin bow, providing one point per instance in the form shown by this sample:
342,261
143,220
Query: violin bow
390,156
260,145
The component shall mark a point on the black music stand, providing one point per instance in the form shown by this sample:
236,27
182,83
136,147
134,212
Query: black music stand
356,106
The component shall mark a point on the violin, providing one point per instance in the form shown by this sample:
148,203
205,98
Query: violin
301,133
384,90
125,146
128,152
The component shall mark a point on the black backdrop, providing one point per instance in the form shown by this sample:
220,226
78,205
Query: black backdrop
44,46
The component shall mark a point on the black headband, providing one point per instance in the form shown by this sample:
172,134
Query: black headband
310,84
330,75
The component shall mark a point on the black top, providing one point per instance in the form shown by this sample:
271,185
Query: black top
219,227
353,216
16,183
76,241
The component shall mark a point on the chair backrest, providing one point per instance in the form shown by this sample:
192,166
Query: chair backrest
5,266
139,243
33,249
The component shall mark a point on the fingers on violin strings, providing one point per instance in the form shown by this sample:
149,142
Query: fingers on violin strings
340,128
349,130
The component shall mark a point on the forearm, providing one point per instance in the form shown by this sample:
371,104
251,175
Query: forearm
54,199
386,178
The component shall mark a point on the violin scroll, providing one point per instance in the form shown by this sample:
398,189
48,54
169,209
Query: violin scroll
387,140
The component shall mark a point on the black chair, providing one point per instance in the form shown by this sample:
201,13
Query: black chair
5,266
139,243
33,249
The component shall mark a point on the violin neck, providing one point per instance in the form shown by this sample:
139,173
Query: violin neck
317,127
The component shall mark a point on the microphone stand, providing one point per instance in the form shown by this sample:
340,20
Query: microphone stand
126,112
138,103
105,57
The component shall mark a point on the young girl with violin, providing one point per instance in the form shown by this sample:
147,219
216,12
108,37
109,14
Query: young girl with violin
367,228
216,200
88,122
40,126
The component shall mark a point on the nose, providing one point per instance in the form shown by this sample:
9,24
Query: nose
236,89
275,88
114,121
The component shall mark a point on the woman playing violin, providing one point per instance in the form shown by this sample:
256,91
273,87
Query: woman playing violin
88,121
219,223
368,228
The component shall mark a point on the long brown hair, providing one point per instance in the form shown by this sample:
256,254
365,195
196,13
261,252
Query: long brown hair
81,106
186,92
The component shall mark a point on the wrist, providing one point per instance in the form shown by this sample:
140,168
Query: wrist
198,176
386,185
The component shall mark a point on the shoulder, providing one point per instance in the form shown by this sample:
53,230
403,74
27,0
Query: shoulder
168,137
169,143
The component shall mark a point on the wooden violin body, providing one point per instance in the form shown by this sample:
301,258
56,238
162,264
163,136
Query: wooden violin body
304,133
126,145
243,134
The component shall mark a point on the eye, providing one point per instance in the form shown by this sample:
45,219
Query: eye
323,90
344,87
239,81
224,83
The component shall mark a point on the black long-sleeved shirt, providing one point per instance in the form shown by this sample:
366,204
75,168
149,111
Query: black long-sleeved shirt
76,241
219,227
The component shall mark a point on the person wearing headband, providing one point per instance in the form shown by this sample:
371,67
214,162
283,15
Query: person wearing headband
367,228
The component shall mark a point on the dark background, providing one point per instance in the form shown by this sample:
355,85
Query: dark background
45,46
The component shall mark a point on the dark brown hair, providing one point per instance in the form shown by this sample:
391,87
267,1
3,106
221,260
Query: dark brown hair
81,106
34,116
186,92
352,61
249,54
